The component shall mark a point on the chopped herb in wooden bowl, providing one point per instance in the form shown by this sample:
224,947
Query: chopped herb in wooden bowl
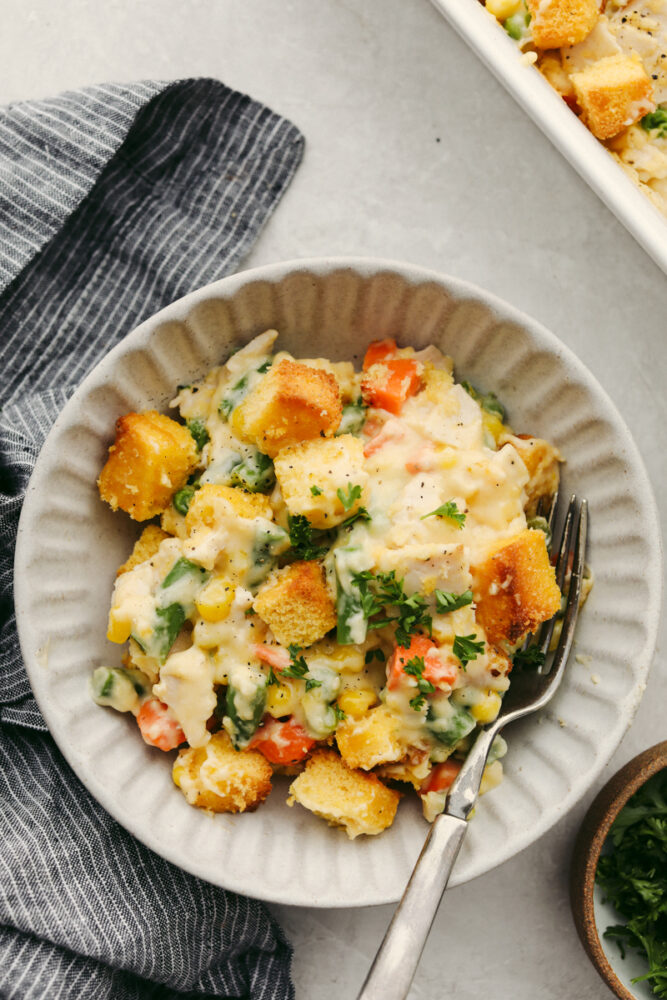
633,877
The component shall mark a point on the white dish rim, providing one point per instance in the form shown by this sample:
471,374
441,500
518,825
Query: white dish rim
550,113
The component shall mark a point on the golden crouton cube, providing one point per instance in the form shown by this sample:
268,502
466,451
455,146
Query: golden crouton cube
150,459
370,740
613,93
354,800
236,780
208,503
312,473
515,588
296,604
542,461
145,546
555,23
292,403
349,381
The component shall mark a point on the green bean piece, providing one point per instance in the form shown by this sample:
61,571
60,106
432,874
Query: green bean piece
270,542
197,428
254,474
170,621
240,390
182,499
244,713
451,725
352,420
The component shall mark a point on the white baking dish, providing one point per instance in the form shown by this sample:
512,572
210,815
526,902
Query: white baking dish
588,156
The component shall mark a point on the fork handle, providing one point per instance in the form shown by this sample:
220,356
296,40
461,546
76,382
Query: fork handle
396,961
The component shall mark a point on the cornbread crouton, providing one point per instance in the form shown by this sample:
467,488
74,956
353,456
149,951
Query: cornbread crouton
292,403
515,588
208,503
349,381
150,459
145,546
613,93
222,779
356,801
222,527
296,604
542,462
325,467
370,740
555,23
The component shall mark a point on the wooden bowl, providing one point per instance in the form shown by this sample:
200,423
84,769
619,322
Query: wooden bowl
590,840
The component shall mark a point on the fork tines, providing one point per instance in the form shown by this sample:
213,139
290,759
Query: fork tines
571,551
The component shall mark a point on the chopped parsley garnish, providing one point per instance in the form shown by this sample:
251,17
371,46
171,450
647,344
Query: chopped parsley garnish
339,713
349,499
447,601
379,591
415,668
197,428
374,654
361,514
466,648
450,511
656,121
298,666
316,491
528,659
633,877
271,678
304,538
418,702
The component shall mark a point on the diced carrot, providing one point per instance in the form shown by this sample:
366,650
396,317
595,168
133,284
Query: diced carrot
282,742
441,777
373,426
379,350
440,673
388,384
422,461
390,431
158,726
275,656
420,645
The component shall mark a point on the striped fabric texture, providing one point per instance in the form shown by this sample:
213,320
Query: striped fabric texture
114,201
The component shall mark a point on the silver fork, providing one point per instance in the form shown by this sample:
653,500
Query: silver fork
397,958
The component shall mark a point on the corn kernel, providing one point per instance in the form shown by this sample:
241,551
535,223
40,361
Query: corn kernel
177,773
214,601
349,658
502,9
487,709
279,700
119,629
357,702
447,458
492,777
493,425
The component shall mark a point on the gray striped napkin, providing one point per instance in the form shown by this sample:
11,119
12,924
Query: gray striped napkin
114,201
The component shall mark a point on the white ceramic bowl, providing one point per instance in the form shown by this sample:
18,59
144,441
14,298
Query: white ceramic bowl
550,113
70,544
